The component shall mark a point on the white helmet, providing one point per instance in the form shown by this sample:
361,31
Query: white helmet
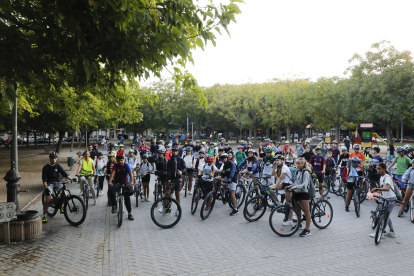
407,146
307,141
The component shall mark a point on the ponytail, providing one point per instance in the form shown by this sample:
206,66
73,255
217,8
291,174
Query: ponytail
306,164
382,165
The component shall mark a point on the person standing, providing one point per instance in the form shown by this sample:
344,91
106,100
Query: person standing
299,149
403,163
103,143
347,143
100,171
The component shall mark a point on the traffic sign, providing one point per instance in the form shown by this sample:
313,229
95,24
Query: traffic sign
7,211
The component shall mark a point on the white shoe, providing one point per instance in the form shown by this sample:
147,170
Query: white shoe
101,193
390,234
161,209
288,223
372,235
177,213
147,199
143,199
94,201
190,193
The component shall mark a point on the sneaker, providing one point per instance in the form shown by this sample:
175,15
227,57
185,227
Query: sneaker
44,219
234,212
293,228
62,210
147,199
101,193
113,209
305,233
94,201
390,234
400,214
288,223
161,209
190,193
177,213
346,209
130,217
143,199
373,234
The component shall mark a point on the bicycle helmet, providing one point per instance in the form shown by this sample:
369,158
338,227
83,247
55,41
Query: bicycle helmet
277,143
407,146
400,149
161,151
343,148
334,142
250,150
188,149
220,149
280,157
210,159
111,155
226,144
268,149
215,144
53,154
370,196
367,148
167,146
410,149
95,145
128,192
144,156
307,141
356,146
224,155
100,154
115,145
203,143
356,160
245,143
251,143
198,141
202,151
240,147
287,142
131,150
121,145
318,148
174,148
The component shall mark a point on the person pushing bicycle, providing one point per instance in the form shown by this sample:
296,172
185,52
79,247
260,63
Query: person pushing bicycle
50,178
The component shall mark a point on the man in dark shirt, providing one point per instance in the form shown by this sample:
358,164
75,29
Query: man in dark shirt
335,151
307,153
50,179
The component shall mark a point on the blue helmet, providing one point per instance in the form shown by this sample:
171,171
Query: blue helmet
245,143
356,160
188,149
400,149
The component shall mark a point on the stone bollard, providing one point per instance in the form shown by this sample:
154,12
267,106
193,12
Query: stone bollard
16,231
32,228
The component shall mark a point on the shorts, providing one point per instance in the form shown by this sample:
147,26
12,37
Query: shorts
176,183
232,186
410,186
284,185
350,185
206,186
58,186
190,171
146,178
300,196
255,175
320,179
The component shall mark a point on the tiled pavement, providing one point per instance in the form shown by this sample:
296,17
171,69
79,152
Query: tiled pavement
220,245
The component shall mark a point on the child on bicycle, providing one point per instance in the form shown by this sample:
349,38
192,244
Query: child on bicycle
330,163
407,178
318,164
387,192
109,165
351,179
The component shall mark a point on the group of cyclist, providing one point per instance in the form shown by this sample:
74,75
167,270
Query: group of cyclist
203,162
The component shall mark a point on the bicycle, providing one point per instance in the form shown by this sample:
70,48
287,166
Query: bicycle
86,189
260,203
186,181
410,204
73,205
96,185
255,191
325,187
164,219
383,215
198,193
221,192
120,201
321,215
158,189
336,187
138,193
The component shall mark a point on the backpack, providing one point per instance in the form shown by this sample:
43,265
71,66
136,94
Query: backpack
293,171
396,191
311,185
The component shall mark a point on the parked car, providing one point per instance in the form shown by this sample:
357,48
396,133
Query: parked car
317,138
20,141
2,141
203,136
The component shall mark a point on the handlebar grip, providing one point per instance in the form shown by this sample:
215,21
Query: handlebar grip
24,191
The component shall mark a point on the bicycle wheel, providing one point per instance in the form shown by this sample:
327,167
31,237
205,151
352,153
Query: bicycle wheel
280,218
156,191
75,210
375,218
136,194
194,200
325,187
52,207
96,184
382,223
251,194
240,194
344,189
185,186
357,203
171,214
336,187
206,207
86,197
255,208
120,211
322,214
364,191
412,209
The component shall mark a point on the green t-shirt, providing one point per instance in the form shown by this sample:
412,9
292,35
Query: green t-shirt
403,163
211,151
240,157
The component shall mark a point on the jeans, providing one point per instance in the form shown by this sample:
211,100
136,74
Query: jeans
112,197
391,205
101,182
91,187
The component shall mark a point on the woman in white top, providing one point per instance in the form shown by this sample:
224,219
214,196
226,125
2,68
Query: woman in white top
103,142
190,163
290,157
388,193
132,161
283,175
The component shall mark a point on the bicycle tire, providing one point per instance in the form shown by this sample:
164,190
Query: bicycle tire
136,193
155,205
120,211
73,205
357,204
364,191
325,187
253,206
284,209
320,210
53,206
336,188
412,209
251,194
97,187
86,197
382,223
156,191
375,219
204,215
194,201
185,186
240,194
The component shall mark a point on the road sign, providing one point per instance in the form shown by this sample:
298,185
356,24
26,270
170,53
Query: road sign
7,211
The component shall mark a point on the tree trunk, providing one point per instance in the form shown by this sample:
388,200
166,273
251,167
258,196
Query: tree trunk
267,133
287,133
337,134
279,135
48,139
35,137
71,142
397,133
387,126
79,139
250,134
59,144
27,139
167,133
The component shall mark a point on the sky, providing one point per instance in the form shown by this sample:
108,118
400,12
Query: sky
312,39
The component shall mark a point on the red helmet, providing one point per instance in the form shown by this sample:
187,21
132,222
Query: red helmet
210,159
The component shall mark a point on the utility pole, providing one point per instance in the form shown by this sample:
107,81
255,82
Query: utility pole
192,131
402,131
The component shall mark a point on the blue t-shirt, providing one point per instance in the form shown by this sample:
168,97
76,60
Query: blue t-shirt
317,162
335,154
355,174
121,173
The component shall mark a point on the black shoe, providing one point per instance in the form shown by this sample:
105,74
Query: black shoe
300,227
305,233
113,209
234,212
130,217
400,214
346,209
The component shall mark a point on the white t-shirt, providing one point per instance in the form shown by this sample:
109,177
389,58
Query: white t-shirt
286,171
208,172
290,160
103,141
189,161
384,180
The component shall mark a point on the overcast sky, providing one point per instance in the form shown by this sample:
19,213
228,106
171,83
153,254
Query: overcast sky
273,38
